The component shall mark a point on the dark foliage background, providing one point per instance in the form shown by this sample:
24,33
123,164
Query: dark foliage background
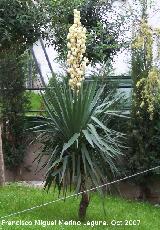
22,23
103,33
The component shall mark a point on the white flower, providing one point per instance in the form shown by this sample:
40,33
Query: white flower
78,84
84,30
72,40
76,45
69,70
86,60
68,45
81,56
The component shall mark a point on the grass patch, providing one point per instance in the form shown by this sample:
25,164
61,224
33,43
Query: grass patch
35,102
15,198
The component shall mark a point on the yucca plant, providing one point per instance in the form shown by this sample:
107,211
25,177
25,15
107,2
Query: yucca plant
82,151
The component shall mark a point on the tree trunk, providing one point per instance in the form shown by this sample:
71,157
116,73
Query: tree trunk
84,202
2,177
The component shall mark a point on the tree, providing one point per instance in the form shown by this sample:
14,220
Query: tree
22,23
103,34
14,104
145,125
82,150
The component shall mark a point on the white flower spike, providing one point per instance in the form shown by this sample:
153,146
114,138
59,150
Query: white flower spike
76,48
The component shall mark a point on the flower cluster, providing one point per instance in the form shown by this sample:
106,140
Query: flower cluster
157,32
76,48
150,90
144,40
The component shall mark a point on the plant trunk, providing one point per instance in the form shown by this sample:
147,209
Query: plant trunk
84,202
2,177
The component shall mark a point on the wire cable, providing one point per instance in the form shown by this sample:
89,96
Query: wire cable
73,195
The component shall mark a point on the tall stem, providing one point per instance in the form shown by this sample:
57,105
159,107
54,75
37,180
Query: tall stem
84,201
